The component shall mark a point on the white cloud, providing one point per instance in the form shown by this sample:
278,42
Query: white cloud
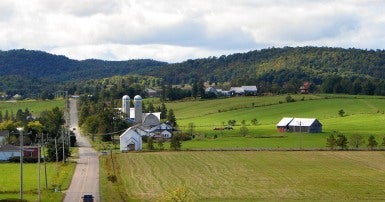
178,30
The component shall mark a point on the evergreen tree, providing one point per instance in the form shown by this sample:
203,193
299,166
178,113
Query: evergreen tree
176,142
195,90
372,143
171,118
163,111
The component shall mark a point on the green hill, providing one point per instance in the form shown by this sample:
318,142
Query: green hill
364,116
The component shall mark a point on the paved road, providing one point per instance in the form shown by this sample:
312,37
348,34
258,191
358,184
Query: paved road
86,177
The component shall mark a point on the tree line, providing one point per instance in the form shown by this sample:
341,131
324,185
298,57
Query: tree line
355,141
47,129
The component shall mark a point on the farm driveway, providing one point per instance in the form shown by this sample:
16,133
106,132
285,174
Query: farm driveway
86,177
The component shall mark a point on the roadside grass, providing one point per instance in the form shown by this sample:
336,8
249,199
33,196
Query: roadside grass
57,176
34,106
247,175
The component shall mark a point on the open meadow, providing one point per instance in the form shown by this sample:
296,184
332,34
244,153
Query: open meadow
364,115
34,106
246,175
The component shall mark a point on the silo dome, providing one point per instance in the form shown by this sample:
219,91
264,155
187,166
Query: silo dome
137,97
126,97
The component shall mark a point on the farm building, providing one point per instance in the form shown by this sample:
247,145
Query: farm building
244,90
308,125
7,151
130,140
147,124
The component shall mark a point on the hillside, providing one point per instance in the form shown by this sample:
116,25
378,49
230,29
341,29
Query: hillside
32,72
284,63
276,70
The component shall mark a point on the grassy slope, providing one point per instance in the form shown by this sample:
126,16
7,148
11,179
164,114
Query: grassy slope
364,116
35,107
221,176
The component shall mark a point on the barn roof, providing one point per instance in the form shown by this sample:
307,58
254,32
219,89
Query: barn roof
285,121
249,88
302,121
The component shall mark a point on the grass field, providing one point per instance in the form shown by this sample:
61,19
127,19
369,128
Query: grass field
247,175
364,116
10,180
34,106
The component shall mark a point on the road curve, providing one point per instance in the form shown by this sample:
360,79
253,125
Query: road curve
86,176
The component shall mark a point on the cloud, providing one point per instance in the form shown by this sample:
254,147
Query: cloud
178,30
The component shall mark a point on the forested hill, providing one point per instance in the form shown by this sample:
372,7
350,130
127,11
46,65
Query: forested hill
278,65
277,70
41,65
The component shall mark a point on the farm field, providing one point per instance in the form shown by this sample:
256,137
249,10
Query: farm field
246,175
34,106
364,116
10,180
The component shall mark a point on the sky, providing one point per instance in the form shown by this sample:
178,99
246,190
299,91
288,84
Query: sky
177,30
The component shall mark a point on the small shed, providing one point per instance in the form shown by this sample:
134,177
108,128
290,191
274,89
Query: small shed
130,140
308,125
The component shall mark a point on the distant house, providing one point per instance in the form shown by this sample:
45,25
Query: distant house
244,90
308,125
8,151
30,151
304,89
150,92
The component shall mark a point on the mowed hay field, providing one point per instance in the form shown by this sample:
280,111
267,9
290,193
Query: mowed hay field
247,175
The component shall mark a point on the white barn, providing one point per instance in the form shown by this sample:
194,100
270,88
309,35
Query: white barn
131,140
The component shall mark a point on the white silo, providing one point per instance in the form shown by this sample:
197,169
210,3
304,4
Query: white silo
138,109
126,105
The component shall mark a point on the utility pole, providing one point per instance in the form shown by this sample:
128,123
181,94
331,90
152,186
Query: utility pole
62,138
20,129
38,170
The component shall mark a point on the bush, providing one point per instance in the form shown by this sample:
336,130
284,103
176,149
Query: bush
106,138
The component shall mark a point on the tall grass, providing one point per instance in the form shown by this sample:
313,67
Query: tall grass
248,176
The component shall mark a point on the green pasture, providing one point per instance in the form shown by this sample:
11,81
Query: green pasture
58,175
34,106
364,115
246,175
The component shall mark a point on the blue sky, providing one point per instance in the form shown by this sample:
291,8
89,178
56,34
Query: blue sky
177,30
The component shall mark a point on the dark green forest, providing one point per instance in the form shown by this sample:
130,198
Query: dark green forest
272,70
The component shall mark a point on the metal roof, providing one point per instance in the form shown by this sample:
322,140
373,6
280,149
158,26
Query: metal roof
285,121
302,121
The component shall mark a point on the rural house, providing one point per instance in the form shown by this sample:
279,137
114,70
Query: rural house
244,90
307,125
7,151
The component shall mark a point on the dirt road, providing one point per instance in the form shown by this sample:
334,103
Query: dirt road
86,177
